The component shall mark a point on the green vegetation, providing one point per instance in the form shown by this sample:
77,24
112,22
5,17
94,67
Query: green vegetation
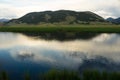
60,75
66,16
96,75
62,28
86,75
70,75
4,76
27,76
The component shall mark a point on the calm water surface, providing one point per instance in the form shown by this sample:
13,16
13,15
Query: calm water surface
20,53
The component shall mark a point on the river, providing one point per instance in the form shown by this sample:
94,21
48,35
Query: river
20,53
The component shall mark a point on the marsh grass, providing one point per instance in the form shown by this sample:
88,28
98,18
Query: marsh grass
68,75
62,28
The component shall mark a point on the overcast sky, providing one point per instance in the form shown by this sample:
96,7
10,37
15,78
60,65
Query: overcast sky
17,8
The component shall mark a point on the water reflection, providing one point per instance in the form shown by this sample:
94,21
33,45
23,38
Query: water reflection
64,54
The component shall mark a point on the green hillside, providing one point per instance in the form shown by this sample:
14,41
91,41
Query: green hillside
61,16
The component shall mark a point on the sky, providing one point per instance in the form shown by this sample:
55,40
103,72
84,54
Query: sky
16,8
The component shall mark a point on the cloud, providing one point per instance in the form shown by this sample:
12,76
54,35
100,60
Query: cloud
7,11
18,8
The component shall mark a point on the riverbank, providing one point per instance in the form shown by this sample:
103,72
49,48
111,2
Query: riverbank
67,75
62,28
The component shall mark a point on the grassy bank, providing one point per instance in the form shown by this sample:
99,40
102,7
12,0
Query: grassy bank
62,28
67,75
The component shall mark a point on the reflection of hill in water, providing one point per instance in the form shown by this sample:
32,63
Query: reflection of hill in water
62,36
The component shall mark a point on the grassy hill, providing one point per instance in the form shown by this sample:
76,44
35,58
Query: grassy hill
61,16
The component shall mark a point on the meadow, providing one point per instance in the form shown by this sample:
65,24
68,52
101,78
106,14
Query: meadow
61,28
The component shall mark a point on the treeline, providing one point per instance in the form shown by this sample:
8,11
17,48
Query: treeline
69,75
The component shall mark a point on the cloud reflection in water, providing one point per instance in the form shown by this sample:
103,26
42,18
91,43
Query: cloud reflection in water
66,53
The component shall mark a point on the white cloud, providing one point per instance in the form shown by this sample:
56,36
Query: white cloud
17,8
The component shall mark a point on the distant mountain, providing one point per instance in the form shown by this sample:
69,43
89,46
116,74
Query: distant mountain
115,21
61,16
4,20
110,19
